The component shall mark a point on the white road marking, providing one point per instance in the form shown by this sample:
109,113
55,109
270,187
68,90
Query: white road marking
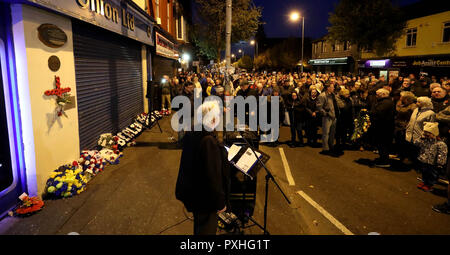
286,168
325,213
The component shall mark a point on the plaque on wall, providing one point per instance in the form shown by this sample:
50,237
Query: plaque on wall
53,63
51,35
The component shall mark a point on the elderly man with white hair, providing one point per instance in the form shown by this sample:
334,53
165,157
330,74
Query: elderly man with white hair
203,178
382,114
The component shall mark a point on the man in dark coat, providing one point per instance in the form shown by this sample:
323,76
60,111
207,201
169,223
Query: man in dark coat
313,116
203,179
383,120
421,88
297,114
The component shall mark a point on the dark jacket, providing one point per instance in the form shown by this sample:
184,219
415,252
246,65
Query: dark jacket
439,104
421,91
403,115
382,115
297,109
285,92
204,176
311,106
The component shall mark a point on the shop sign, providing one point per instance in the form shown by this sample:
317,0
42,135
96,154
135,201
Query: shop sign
328,61
113,15
165,48
432,63
381,63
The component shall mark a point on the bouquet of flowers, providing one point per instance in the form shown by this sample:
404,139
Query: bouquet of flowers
66,181
28,206
91,162
362,124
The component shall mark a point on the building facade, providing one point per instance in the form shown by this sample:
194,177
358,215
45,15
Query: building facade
337,57
97,53
424,47
171,42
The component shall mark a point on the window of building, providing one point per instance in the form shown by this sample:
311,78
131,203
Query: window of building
333,47
446,37
180,27
157,8
346,45
324,48
411,37
168,16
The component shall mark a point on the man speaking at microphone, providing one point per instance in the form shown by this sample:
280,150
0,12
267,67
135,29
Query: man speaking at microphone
203,178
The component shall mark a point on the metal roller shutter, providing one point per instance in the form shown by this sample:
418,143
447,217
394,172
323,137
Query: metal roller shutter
109,81
163,66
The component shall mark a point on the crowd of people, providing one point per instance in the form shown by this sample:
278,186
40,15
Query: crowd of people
409,114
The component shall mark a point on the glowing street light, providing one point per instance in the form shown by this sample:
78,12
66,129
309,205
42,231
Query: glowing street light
294,16
186,57
252,42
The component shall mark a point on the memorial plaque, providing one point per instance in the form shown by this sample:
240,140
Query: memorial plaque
53,63
52,36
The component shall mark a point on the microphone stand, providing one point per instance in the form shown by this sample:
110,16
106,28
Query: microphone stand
269,177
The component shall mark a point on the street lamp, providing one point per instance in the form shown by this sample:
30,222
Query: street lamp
294,17
253,42
240,51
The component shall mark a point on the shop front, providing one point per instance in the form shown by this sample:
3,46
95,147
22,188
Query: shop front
165,62
83,72
339,66
378,67
437,65
432,65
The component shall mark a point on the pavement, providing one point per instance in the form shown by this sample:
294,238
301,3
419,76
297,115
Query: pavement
329,196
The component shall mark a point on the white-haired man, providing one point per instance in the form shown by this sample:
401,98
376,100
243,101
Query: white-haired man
382,114
203,178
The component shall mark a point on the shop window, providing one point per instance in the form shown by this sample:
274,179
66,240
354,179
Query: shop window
411,37
6,174
446,37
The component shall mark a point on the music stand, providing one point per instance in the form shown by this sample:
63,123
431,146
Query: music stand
269,177
151,104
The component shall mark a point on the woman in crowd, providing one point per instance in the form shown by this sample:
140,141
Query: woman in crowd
414,130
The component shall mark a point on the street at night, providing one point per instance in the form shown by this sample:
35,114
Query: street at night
137,197
225,126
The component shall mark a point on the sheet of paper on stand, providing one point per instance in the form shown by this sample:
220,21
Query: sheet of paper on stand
247,160
233,151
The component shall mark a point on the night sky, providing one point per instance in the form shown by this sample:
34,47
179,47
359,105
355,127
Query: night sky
276,16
